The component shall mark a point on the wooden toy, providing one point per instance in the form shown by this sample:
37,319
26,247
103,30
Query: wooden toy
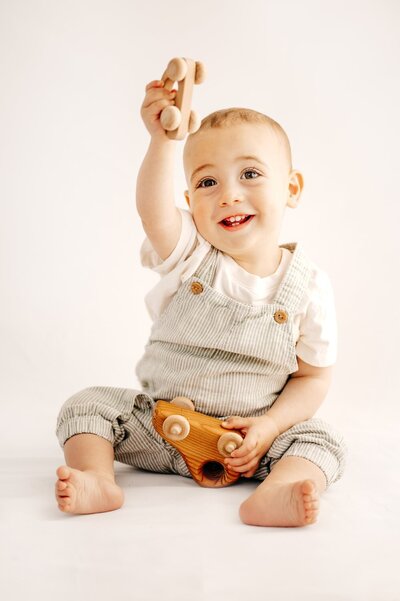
201,440
178,120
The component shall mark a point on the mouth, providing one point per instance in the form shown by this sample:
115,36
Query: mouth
235,222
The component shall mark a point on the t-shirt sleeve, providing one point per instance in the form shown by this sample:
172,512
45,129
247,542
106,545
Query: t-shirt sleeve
187,240
317,343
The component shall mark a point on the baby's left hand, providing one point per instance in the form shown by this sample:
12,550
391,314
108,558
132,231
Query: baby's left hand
260,433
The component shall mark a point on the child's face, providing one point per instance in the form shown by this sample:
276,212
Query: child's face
231,185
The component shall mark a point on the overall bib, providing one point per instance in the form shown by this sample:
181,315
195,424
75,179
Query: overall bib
228,357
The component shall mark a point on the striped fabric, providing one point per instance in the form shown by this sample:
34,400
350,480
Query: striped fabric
228,357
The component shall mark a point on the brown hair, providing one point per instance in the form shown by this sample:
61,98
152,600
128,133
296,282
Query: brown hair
235,115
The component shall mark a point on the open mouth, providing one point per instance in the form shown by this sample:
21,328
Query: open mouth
235,222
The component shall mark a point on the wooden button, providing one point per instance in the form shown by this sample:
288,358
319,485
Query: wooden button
280,316
196,288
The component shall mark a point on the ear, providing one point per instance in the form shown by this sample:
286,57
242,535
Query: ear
187,198
296,184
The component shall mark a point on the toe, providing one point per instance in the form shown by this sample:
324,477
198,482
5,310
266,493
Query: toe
61,485
309,488
311,519
63,472
62,503
61,497
310,500
64,497
311,514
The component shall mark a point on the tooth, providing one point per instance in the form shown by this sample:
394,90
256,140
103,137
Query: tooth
236,220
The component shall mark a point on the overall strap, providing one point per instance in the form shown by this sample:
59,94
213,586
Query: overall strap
294,283
296,279
206,270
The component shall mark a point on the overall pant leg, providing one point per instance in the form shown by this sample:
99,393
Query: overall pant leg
313,439
123,416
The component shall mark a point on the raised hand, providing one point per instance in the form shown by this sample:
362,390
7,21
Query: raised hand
156,99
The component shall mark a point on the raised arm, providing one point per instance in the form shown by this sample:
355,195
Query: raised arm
155,200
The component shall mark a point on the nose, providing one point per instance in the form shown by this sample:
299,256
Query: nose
229,199
230,194
228,203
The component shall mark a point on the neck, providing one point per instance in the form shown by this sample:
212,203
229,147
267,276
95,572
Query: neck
262,264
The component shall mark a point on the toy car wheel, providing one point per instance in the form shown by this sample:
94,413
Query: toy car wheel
176,427
194,122
183,401
170,118
176,69
229,442
200,73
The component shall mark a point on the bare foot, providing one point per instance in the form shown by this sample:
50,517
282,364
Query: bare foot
86,492
293,504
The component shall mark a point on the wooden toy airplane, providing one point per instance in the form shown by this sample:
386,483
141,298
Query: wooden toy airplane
201,440
178,120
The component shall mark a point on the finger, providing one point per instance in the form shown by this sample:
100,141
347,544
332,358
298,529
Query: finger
156,107
245,449
156,83
235,422
241,460
248,447
251,473
246,467
154,96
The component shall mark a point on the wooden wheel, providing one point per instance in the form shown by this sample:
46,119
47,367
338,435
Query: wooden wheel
183,401
229,442
194,122
200,73
176,69
170,118
176,427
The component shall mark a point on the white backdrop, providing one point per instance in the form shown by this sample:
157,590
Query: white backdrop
73,76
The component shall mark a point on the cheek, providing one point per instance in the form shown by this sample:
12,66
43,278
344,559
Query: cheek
203,220
275,200
201,212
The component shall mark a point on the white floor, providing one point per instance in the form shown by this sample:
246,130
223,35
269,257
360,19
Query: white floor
174,540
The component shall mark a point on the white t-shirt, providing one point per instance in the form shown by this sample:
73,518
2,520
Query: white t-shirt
315,328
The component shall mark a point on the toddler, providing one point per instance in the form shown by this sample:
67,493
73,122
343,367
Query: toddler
242,325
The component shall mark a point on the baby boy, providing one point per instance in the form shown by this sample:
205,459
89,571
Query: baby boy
243,326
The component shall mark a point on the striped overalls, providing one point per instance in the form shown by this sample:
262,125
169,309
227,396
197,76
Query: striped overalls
230,358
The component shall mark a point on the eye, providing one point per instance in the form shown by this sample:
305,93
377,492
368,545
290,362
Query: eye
251,171
210,179
206,179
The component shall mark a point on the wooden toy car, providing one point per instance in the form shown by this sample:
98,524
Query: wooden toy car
178,120
201,440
